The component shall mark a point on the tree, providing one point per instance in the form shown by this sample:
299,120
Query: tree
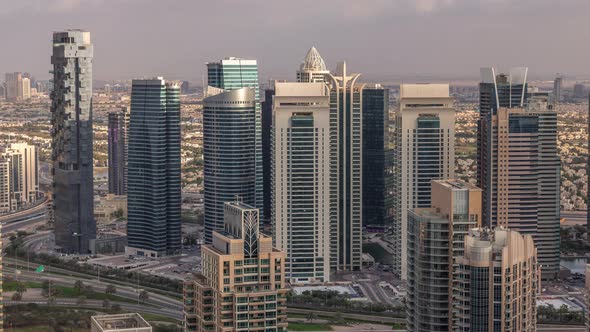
115,308
21,287
144,296
78,286
311,316
81,300
17,296
106,304
110,289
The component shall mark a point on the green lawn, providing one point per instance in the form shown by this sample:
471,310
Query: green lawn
43,329
308,327
10,286
69,292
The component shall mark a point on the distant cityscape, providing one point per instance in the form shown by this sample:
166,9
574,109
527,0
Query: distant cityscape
322,203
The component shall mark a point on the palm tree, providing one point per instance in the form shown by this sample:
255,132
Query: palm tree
144,296
110,289
21,287
78,286
81,300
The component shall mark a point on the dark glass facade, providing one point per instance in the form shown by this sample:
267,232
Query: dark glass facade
72,141
116,151
229,147
154,168
377,159
266,107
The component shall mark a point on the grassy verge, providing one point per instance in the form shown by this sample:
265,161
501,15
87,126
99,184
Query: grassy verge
309,327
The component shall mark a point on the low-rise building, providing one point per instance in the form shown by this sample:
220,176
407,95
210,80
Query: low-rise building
120,323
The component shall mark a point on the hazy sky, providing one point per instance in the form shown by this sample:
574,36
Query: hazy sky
383,39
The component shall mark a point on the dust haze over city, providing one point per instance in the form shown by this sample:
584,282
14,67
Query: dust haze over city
336,165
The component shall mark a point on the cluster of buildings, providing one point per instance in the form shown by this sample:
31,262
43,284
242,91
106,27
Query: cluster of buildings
313,162
19,176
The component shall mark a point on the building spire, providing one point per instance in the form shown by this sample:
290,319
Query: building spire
313,61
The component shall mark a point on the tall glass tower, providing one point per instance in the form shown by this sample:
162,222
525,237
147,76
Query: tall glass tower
153,198
346,132
235,73
229,152
71,119
377,158
117,142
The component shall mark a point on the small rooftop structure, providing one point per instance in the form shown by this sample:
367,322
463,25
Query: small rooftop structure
120,323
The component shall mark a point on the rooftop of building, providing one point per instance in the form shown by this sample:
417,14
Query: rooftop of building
120,322
424,90
456,184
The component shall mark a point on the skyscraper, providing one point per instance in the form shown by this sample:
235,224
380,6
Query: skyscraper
24,168
579,90
347,135
435,241
425,151
242,286
495,91
313,68
14,86
377,158
303,196
521,186
496,282
229,152
266,108
153,197
5,197
26,88
557,84
117,148
71,119
235,73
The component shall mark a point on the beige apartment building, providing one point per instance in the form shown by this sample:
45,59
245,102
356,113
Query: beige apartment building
497,282
242,285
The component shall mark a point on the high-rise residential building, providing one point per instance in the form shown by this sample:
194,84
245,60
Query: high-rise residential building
24,168
26,88
117,151
229,152
588,170
303,171
235,73
153,178
521,189
119,323
313,68
435,241
5,197
242,286
14,86
71,108
184,88
496,283
579,90
557,86
377,158
346,133
425,151
495,91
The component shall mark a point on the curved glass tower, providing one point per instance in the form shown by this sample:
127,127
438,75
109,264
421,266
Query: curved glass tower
229,152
